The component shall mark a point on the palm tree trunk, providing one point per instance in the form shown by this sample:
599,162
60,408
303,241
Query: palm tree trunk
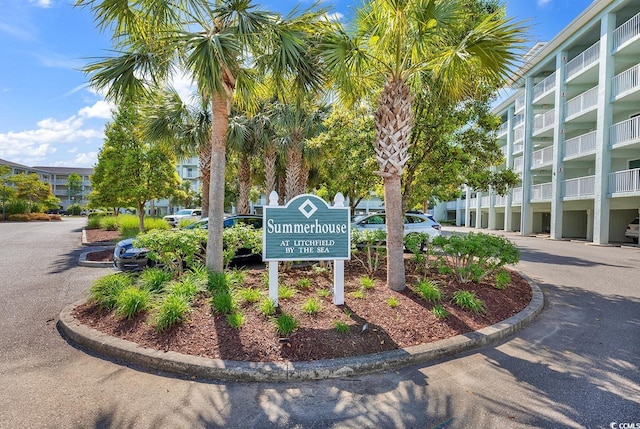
394,122
294,162
244,180
270,170
205,175
220,110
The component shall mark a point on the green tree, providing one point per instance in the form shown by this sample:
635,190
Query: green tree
130,171
394,46
74,187
7,191
215,42
348,156
30,188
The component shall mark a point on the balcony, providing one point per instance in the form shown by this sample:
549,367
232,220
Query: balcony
625,82
544,87
518,148
541,192
473,203
579,188
542,157
452,205
626,132
519,103
626,32
485,201
584,102
543,122
587,58
580,146
504,127
518,165
626,181
518,133
501,201
517,196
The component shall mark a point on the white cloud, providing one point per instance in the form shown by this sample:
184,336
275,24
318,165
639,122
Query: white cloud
101,109
543,3
337,17
42,3
41,145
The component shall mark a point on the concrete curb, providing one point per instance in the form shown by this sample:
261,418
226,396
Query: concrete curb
217,369
83,262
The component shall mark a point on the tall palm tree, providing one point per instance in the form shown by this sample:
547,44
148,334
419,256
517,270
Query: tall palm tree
215,42
396,43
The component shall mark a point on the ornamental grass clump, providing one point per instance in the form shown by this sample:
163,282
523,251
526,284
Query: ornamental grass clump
311,306
467,300
155,279
131,301
429,291
223,303
249,295
106,289
267,307
285,324
173,309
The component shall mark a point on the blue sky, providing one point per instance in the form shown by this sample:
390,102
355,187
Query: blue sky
50,117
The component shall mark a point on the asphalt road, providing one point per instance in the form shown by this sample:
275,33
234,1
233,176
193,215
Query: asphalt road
577,365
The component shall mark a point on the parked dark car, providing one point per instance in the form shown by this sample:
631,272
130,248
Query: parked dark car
126,257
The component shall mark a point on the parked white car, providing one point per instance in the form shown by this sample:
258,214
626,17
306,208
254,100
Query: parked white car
633,230
174,219
413,223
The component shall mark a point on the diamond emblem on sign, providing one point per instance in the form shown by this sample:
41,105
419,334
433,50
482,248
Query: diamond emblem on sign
307,209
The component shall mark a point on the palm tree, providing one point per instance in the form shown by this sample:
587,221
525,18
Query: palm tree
216,43
394,45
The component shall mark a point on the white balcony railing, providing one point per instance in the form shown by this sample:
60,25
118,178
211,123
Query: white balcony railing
518,119
625,131
452,205
581,145
504,127
517,196
582,102
541,192
543,87
517,148
589,56
473,203
505,151
544,121
518,133
580,187
627,31
500,201
518,165
486,201
519,103
542,157
626,81
625,181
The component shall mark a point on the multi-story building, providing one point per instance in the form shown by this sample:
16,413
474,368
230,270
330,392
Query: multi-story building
571,128
57,178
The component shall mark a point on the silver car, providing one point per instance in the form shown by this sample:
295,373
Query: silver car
413,223
633,230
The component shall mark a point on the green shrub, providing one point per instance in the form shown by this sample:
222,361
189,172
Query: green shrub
429,291
325,293
93,223
235,319
74,209
267,307
186,287
367,247
172,309
249,295
367,283
151,223
440,312
110,223
217,282
183,222
16,207
155,279
472,257
286,292
393,303
238,237
198,274
235,278
416,243
130,301
175,249
304,283
341,327
311,306
357,294
467,300
223,303
502,279
106,289
285,324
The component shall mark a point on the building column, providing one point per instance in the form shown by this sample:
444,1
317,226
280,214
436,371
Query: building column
467,208
526,220
601,201
492,210
508,210
478,209
557,180
459,212
589,225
